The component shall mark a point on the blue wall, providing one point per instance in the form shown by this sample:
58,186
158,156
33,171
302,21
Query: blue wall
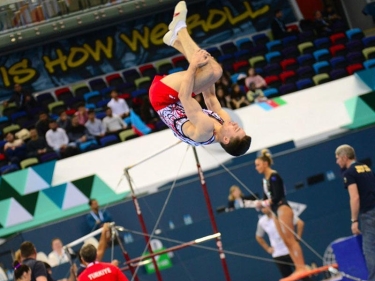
326,217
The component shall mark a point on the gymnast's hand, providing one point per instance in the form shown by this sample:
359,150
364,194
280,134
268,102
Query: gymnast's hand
200,58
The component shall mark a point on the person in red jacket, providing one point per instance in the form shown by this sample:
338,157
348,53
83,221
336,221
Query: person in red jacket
98,271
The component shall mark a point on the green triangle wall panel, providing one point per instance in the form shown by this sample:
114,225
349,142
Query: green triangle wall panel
367,77
7,191
85,185
4,210
369,99
102,192
45,170
360,113
56,194
45,207
29,201
17,180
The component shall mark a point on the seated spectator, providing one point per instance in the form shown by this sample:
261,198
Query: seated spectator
238,97
118,105
37,145
236,198
94,125
96,218
113,123
59,141
58,255
223,97
330,15
77,133
42,125
254,94
22,98
260,83
82,114
14,149
278,27
64,121
321,26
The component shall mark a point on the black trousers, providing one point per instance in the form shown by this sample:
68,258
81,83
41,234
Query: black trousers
285,269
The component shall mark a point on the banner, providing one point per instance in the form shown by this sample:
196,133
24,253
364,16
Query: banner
132,43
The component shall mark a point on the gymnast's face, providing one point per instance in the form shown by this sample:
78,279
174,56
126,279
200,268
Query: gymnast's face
232,130
260,166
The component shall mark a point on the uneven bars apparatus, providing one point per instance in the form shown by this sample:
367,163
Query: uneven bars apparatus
139,212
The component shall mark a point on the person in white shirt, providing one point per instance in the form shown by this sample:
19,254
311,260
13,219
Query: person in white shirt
58,255
57,138
118,105
277,247
113,123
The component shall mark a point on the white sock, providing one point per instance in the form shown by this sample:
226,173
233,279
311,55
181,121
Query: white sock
179,26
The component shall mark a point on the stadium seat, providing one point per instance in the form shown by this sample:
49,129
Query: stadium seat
369,53
290,52
49,156
258,50
114,80
321,67
338,62
20,118
291,40
139,93
354,34
338,73
130,75
109,140
180,61
322,43
321,78
92,97
274,45
4,122
242,55
11,129
273,57
369,63
97,84
368,41
143,83
29,162
64,94
305,60
306,48
244,44
8,169
214,52
322,55
273,81
355,57
271,92
304,83
305,36
56,107
272,69
9,110
257,61
175,69
228,48
241,66
127,87
260,39
354,46
127,135
44,98
354,68
147,70
226,61
338,38
80,89
288,76
289,64
338,50
305,72
163,66
287,88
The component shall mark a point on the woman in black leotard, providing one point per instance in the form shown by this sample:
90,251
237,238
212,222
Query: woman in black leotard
274,197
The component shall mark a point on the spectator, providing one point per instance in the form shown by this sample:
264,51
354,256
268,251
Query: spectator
101,271
64,121
22,98
37,145
223,96
278,27
15,149
236,198
42,125
254,94
118,105
94,125
96,218
260,83
113,123
21,272
58,255
330,15
28,254
82,114
77,133
238,97
321,26
59,141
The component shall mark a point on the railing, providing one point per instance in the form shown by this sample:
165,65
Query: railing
16,14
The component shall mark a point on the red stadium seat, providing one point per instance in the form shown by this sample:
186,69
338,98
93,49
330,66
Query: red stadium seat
354,68
288,77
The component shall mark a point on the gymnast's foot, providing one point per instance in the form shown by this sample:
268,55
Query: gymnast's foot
178,22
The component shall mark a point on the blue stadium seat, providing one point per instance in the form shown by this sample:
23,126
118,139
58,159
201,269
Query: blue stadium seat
304,83
322,54
260,39
322,43
274,45
273,57
354,33
369,63
270,92
321,67
244,44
